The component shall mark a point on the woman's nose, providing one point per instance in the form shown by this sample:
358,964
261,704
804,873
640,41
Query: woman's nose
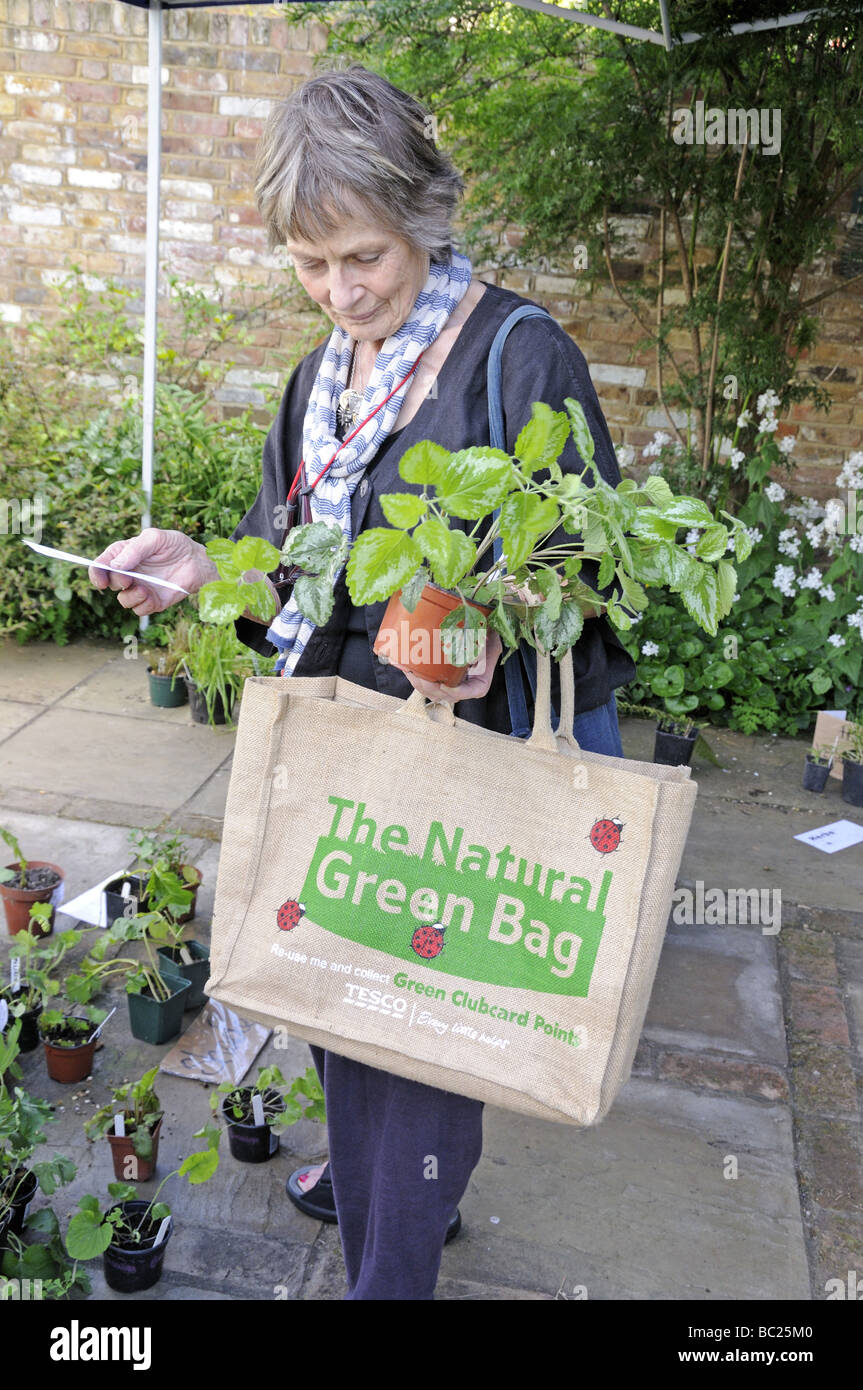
344,293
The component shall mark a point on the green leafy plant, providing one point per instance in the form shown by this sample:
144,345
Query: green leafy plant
167,877
64,1029
821,755
40,958
283,1102
552,528
167,660
138,975
7,875
141,1109
853,751
218,664
91,1230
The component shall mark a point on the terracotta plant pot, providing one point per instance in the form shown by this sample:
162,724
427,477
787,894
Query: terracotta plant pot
69,1063
122,1151
18,901
414,640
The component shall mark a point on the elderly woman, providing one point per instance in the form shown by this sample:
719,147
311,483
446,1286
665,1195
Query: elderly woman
350,182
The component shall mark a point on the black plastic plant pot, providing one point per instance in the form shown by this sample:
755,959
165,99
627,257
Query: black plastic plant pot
166,692
118,906
815,775
172,967
23,1185
673,749
198,706
852,782
252,1143
155,1020
28,1038
133,1271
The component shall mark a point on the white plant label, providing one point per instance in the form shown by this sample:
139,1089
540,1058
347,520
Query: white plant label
163,1230
119,1124
96,564
59,893
258,1110
4,1014
186,955
15,973
830,838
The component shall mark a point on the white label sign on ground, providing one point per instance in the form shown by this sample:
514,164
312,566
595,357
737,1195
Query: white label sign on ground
830,838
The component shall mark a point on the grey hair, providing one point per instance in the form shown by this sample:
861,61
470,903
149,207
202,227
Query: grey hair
349,136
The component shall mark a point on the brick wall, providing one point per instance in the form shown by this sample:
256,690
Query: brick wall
73,102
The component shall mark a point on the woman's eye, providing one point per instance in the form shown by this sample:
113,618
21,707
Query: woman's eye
369,260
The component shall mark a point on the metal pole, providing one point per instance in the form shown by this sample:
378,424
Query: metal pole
151,282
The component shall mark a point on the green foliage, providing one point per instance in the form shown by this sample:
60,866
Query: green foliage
283,1102
219,663
70,435
142,1110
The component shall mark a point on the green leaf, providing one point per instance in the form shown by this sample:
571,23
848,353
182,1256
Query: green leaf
688,511
199,1167
580,429
87,1236
223,553
557,635
676,566
382,561
548,584
669,683
424,463
403,509
450,553
742,544
716,674
474,482
701,599
713,542
315,598
221,601
726,579
524,517
254,553
540,443
657,489
606,570
258,599
412,591
317,546
501,620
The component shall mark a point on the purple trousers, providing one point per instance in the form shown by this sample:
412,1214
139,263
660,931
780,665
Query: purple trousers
401,1156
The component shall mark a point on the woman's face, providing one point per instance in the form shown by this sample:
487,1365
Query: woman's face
365,278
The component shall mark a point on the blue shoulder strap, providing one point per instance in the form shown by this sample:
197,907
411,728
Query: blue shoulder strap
514,684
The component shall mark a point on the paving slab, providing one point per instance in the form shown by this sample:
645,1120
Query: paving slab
84,753
86,852
638,1207
14,714
120,687
717,989
41,672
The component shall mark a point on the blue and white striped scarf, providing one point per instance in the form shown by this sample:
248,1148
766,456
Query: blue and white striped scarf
331,499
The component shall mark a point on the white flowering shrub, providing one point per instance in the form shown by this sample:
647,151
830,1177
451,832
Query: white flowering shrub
793,641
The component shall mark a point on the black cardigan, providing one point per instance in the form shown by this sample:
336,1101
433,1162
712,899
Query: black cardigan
539,362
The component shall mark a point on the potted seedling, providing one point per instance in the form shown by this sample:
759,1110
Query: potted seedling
165,669
676,736
70,1041
816,768
25,882
172,882
132,1235
255,1115
132,1123
155,1001
30,983
22,1118
552,525
215,665
852,766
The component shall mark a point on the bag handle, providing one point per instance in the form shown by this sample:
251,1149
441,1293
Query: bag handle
543,736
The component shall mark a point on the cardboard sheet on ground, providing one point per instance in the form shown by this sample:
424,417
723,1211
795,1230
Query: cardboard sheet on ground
219,1046
830,838
89,906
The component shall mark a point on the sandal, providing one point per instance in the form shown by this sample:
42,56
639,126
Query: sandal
320,1201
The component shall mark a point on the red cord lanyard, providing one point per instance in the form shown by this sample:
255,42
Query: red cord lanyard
295,484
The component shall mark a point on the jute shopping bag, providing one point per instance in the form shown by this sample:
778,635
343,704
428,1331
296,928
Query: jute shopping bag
441,901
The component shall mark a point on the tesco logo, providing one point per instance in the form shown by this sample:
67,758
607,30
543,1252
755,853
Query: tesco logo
373,1000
